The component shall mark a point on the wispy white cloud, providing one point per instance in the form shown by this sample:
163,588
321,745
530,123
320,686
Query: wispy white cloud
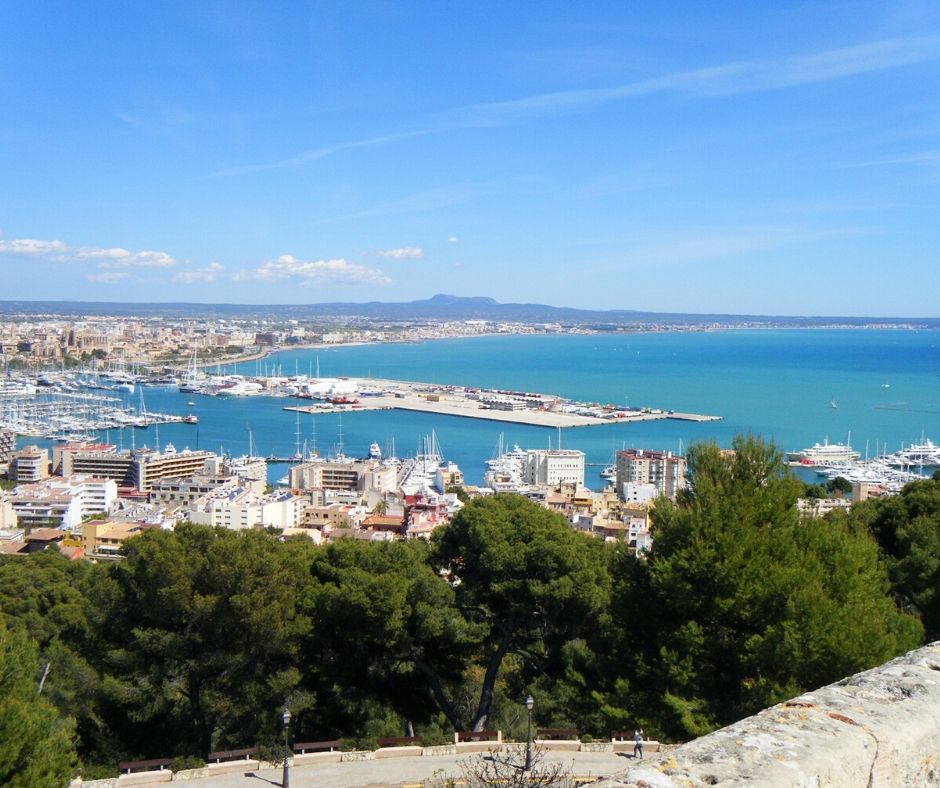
208,274
130,120
438,197
697,247
32,247
919,158
743,76
725,79
109,277
308,271
403,253
452,239
114,257
315,154
123,258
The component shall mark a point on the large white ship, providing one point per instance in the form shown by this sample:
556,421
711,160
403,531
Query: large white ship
505,471
824,455
925,454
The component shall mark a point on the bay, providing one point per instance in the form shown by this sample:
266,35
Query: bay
779,384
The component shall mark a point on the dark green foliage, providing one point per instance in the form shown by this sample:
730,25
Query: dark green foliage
36,744
523,574
839,485
754,604
47,595
385,625
199,637
204,628
907,527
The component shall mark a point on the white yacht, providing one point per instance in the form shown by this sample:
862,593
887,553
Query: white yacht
240,388
925,454
824,455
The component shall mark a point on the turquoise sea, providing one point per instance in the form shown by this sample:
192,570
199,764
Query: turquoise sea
780,384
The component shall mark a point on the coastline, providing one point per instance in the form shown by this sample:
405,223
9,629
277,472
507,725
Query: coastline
259,355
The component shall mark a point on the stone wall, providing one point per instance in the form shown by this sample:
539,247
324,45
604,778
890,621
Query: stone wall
876,729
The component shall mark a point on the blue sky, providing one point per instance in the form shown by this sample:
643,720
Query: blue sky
771,158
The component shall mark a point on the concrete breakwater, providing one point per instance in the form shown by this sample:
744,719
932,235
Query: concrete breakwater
516,407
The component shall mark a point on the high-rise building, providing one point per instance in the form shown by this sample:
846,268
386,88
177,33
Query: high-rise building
662,469
30,464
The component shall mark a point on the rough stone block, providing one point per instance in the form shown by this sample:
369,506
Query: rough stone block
440,749
191,774
357,755
317,757
398,752
876,728
145,778
227,767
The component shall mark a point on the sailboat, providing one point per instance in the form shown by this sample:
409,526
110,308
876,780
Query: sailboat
833,403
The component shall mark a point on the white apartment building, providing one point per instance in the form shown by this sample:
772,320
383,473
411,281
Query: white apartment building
62,503
242,507
636,492
550,467
251,470
359,476
662,469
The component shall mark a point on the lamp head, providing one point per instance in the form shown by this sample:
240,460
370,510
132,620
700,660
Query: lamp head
529,703
285,717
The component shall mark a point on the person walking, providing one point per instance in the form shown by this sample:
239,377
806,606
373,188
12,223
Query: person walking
638,743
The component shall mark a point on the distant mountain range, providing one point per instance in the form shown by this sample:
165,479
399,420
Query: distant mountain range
443,307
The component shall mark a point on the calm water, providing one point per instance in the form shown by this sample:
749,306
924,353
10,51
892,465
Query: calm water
778,384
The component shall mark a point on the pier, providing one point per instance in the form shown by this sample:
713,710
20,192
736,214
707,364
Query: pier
534,409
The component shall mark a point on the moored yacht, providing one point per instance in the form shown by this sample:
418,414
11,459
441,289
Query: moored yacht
824,454
925,454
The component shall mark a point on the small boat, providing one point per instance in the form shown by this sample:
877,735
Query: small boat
833,403
191,404
191,419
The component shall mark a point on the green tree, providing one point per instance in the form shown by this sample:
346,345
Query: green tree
753,604
37,744
46,594
520,571
839,484
386,631
907,527
201,632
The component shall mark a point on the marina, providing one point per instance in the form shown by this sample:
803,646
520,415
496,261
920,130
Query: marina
765,382
889,470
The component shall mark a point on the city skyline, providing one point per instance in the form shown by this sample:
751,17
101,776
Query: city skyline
771,159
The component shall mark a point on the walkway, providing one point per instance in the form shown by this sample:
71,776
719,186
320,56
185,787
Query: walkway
401,771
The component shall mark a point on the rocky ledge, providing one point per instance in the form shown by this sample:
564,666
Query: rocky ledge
876,729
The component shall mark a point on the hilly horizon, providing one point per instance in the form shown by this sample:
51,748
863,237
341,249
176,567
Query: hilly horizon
444,306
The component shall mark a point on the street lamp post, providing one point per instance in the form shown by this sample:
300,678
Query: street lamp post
529,703
285,718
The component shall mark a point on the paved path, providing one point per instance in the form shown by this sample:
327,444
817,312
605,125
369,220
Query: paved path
400,771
